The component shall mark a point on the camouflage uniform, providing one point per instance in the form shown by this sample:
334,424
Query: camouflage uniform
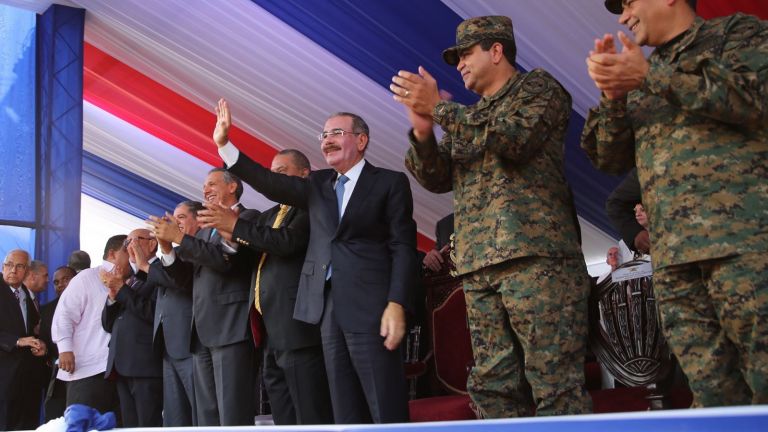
697,131
516,242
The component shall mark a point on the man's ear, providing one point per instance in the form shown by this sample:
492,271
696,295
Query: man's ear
362,142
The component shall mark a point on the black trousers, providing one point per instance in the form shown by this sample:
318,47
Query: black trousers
297,386
94,391
367,381
141,401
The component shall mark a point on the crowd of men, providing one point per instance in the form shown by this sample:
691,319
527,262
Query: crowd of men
173,324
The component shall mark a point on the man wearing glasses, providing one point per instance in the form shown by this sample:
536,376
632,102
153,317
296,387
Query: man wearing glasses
77,331
359,270
128,315
18,318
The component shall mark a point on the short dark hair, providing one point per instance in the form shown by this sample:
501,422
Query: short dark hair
299,158
192,205
115,243
230,178
508,45
36,265
72,271
79,260
358,124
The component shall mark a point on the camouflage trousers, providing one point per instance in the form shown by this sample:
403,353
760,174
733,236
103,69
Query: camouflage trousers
528,322
715,317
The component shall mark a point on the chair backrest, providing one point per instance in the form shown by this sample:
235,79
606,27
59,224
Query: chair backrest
447,312
624,328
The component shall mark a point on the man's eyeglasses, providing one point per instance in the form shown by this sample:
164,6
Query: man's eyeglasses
18,267
334,132
127,241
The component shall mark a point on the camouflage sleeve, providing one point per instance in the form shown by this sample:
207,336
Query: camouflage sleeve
430,167
608,138
731,87
514,131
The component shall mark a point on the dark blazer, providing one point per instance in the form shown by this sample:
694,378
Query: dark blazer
443,230
620,207
16,364
173,314
221,286
129,320
372,248
285,247
46,321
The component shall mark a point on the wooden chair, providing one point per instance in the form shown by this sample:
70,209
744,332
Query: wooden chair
450,350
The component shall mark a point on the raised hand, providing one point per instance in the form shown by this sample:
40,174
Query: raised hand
419,94
113,280
218,216
137,255
166,229
616,74
223,123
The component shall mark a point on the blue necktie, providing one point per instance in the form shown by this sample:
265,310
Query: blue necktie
340,191
339,200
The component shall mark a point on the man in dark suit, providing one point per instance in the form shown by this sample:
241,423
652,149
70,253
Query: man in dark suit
223,354
360,267
128,316
294,372
433,260
18,345
172,332
620,208
56,398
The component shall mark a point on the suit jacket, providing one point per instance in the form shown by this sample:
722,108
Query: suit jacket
443,231
221,285
129,320
620,207
285,247
46,320
16,364
173,314
372,248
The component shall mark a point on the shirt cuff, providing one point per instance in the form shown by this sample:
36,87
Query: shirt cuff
229,153
65,345
168,259
229,247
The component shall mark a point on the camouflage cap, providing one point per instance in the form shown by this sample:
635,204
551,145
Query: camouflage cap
474,30
616,6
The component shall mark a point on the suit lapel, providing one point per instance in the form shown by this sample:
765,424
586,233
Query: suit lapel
329,197
15,309
361,192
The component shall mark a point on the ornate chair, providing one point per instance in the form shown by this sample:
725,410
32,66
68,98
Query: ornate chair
625,336
450,357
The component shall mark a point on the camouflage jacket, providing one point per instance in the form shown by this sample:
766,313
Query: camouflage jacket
503,159
697,129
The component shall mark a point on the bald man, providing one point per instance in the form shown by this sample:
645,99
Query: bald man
129,318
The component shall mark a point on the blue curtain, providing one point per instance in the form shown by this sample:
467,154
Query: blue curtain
124,190
60,134
17,130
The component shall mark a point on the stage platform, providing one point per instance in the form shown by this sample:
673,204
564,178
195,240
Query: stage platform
739,419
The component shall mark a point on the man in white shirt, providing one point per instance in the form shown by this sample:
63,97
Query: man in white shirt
77,330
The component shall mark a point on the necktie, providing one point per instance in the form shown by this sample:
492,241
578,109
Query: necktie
278,220
339,201
37,304
213,233
340,191
17,293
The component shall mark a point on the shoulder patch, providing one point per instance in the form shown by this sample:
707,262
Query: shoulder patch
535,85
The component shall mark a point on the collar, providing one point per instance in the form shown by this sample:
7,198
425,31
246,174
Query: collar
485,101
681,41
353,173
